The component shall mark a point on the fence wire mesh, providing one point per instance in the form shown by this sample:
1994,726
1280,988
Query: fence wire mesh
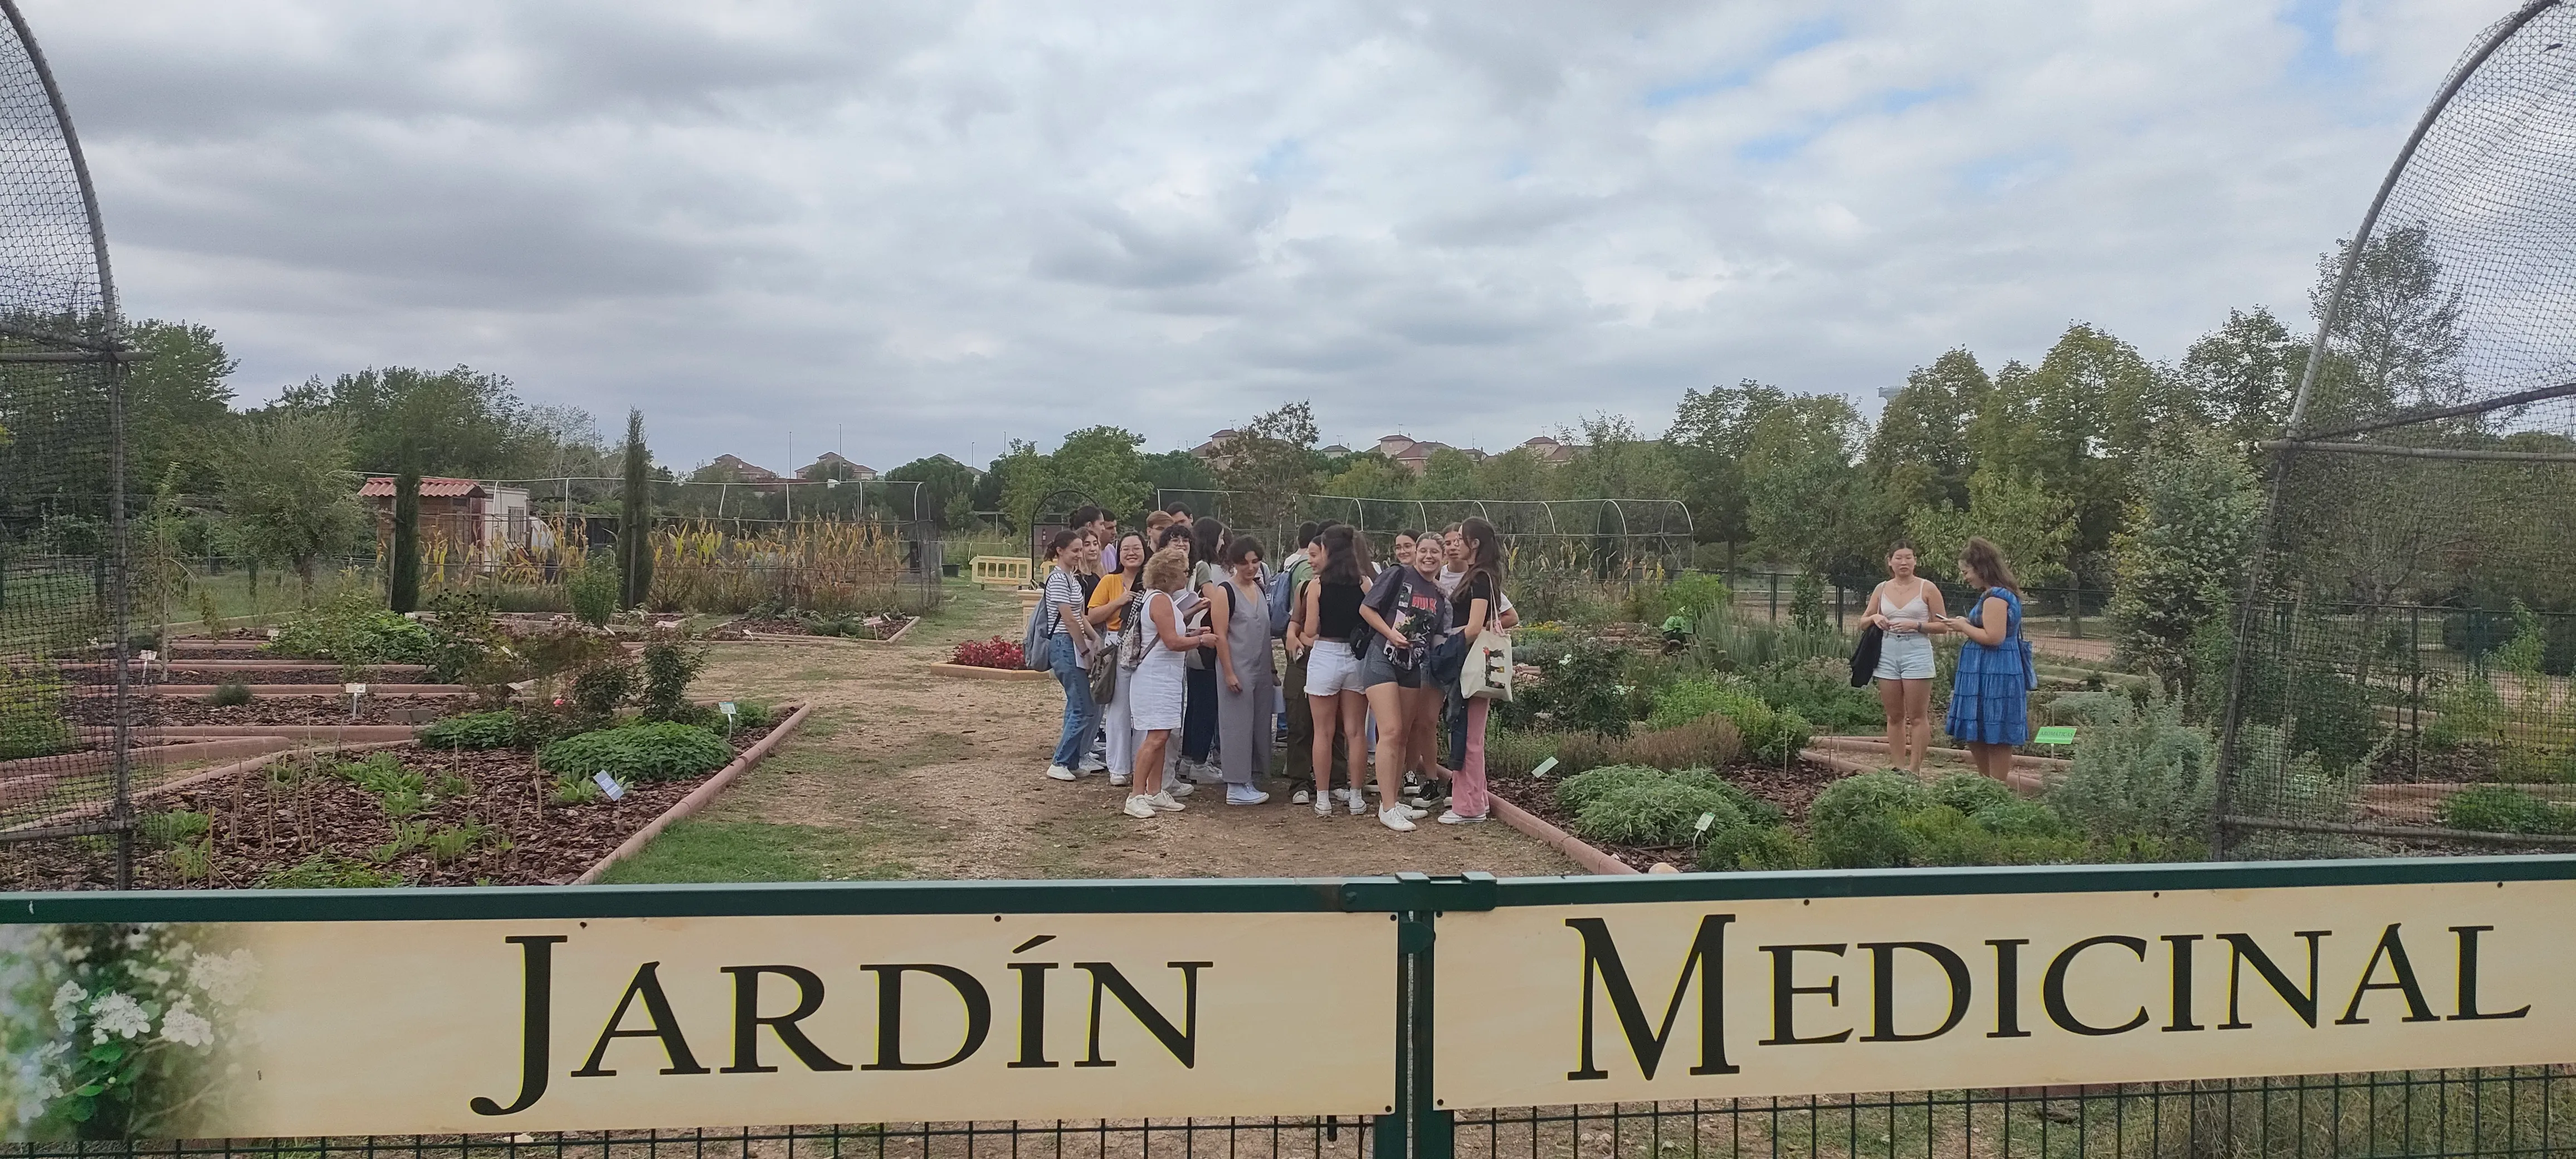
2410,622
65,709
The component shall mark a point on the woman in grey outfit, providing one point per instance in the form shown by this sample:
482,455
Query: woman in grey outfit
1247,685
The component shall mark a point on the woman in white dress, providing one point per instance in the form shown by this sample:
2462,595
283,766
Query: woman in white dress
1155,649
1907,609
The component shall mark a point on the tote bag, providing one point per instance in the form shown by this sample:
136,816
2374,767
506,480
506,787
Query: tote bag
1487,673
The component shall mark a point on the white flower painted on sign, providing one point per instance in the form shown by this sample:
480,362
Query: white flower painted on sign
188,1028
120,1015
226,978
67,1002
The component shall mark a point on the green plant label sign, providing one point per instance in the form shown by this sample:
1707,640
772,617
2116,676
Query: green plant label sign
1828,995
2060,734
447,1027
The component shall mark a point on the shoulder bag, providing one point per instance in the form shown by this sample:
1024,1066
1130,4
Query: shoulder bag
1487,672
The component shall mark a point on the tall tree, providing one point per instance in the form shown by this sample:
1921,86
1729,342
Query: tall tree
1270,463
2243,374
1799,482
176,404
944,482
1707,441
1918,454
463,421
2031,524
2396,340
1449,473
635,518
289,492
2178,561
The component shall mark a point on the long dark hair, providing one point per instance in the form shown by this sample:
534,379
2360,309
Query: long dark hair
1484,556
1207,537
1345,556
1987,560
1057,542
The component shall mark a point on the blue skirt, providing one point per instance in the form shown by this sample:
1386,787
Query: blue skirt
1989,700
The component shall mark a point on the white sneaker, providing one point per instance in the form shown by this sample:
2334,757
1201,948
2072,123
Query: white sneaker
1410,812
1358,804
1093,764
1163,801
1323,807
1452,817
1395,819
1061,773
1139,807
1244,795
1117,780
1176,788
1300,797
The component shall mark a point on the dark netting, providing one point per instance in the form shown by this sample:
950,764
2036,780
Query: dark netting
2400,671
66,714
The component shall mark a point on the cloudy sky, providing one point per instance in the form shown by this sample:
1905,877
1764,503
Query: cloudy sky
916,227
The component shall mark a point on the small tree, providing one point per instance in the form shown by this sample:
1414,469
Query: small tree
403,590
635,517
2180,553
290,491
2031,526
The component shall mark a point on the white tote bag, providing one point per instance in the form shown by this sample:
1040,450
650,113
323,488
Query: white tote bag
1487,673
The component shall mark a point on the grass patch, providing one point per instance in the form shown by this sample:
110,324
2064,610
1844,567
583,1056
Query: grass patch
699,850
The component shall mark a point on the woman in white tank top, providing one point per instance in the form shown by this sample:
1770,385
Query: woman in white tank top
1907,609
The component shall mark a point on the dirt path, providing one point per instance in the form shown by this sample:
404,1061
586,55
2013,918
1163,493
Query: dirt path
900,773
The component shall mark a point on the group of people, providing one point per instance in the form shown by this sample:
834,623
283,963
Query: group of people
1172,629
1990,690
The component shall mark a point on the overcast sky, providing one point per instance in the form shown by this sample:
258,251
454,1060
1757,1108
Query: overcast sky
912,227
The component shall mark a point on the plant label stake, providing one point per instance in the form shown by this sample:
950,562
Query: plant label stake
726,707
1543,767
1705,820
355,691
608,784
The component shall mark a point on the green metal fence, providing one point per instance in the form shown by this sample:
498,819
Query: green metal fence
2527,1110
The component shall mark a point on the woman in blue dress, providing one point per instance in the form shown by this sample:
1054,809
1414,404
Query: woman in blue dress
1990,697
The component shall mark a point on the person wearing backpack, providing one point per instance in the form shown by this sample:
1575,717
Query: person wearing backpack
1990,692
1069,643
1294,574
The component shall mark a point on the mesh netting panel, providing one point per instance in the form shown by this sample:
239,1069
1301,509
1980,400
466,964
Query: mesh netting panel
2401,677
64,713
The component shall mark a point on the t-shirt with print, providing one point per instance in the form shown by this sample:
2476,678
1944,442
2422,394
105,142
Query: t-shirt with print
1410,602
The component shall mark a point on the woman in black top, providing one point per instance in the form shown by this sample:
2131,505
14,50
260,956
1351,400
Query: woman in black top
1472,611
1330,621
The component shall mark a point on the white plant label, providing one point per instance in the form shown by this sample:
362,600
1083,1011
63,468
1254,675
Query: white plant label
608,784
147,656
726,707
1705,820
1543,767
354,689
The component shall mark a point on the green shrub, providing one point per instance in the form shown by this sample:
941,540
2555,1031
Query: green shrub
1662,811
1756,848
352,630
2464,711
229,694
1690,595
1710,742
329,871
2015,817
658,751
1942,835
31,715
592,590
464,639
1859,822
1770,736
2496,809
669,665
473,730
2140,778
1513,753
1820,691
1579,791
1686,700
1969,792
601,687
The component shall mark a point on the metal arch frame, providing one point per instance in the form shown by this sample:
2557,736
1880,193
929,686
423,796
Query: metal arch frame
2222,804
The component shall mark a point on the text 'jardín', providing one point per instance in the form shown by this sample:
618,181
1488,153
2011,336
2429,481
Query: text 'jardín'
1829,994
644,1011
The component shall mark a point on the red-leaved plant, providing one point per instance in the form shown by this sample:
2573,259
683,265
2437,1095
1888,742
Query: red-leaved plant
994,653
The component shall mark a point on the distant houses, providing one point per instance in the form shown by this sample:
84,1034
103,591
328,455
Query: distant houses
736,469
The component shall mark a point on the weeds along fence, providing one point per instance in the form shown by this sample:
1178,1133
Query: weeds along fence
1408,1017
2404,615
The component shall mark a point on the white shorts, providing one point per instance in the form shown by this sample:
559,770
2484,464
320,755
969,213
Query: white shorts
1904,656
1331,668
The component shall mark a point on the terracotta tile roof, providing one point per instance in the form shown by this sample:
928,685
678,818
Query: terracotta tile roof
431,487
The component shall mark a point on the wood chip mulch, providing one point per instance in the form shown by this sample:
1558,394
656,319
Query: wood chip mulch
189,710
261,826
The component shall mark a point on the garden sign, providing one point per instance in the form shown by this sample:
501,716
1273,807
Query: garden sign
1833,995
435,1027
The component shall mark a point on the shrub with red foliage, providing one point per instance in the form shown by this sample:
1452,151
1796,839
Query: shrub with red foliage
994,653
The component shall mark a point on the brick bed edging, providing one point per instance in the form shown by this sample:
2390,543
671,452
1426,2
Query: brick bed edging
1591,859
697,798
973,672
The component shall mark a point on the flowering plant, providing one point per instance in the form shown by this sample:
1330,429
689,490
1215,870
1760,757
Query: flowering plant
994,653
106,1030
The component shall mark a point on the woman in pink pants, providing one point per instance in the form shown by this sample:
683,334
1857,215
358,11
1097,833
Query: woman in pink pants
1472,607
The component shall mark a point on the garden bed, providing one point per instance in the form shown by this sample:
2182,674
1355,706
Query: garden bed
94,712
487,817
1791,789
881,629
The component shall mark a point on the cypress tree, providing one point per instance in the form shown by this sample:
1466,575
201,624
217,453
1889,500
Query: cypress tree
635,518
405,582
